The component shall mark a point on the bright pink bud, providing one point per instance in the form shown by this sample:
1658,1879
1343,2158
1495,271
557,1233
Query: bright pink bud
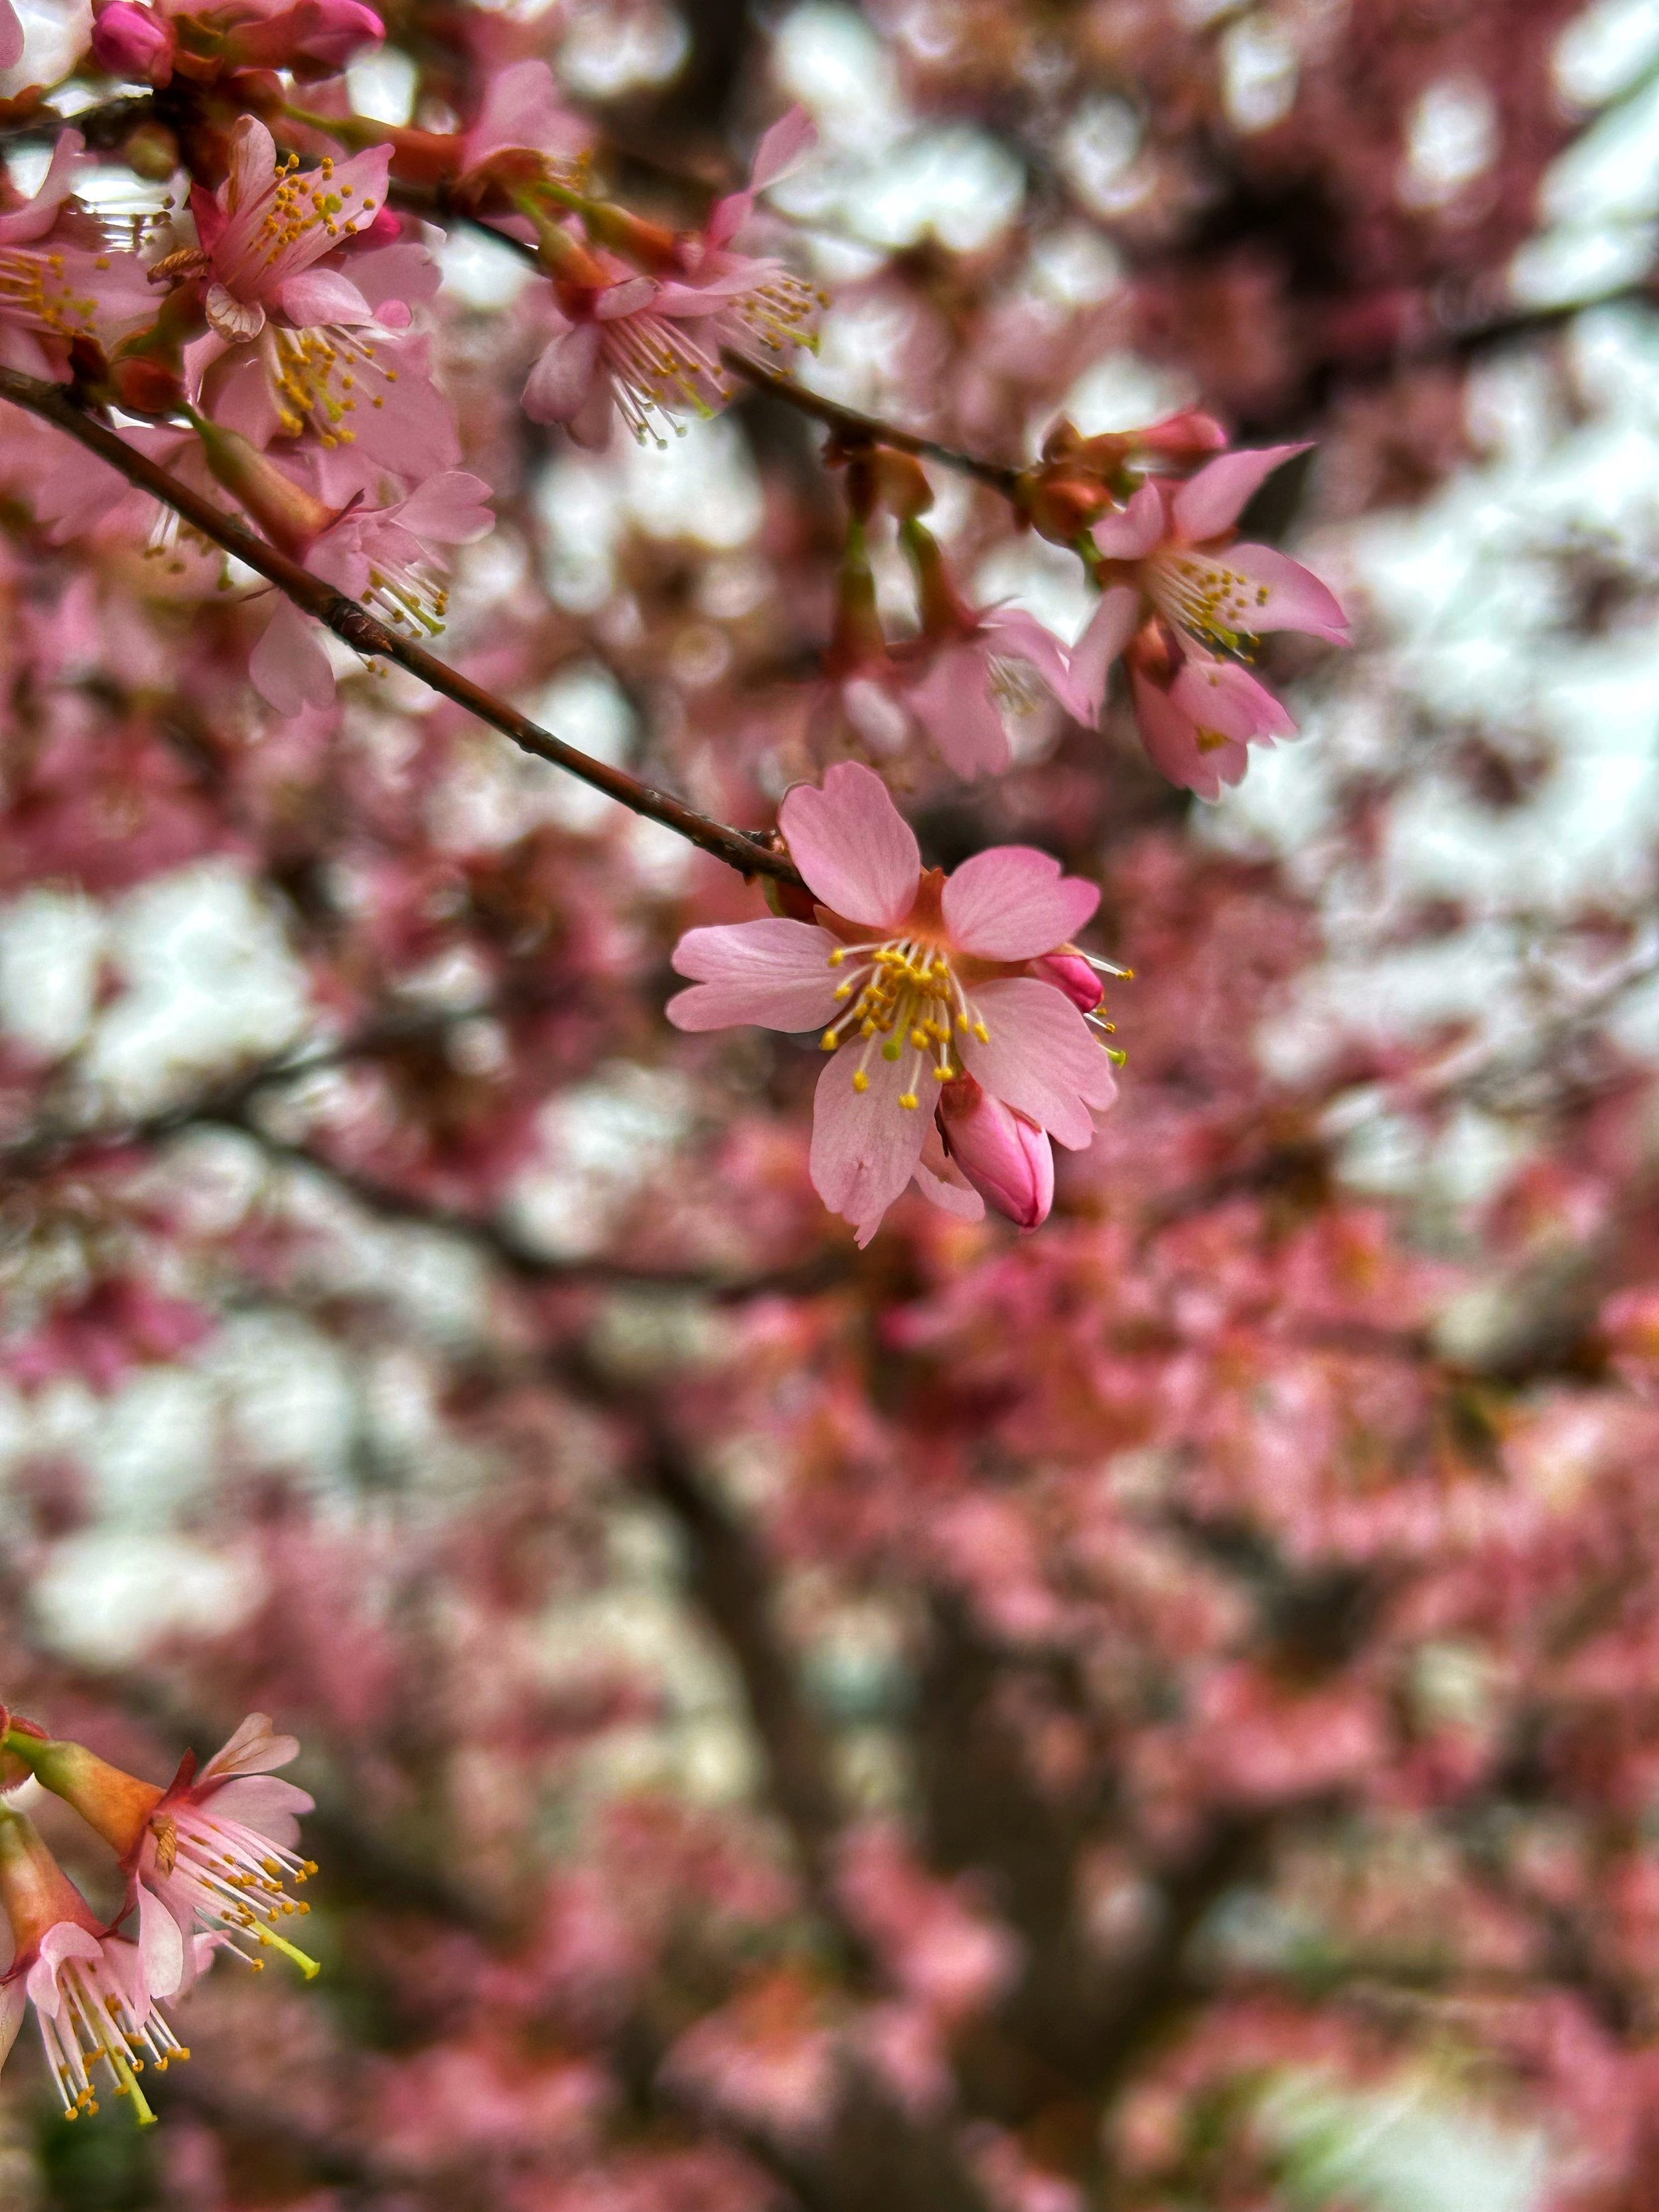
131,41
1007,1159
1071,973
1186,436
313,37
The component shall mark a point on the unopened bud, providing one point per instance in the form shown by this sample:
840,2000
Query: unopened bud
132,41
144,384
1187,435
1007,1157
35,1894
1071,973
1059,504
290,516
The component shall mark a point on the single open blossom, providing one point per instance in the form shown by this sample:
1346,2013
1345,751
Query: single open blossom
623,343
1189,603
916,979
385,557
56,282
996,655
93,1993
209,1857
302,338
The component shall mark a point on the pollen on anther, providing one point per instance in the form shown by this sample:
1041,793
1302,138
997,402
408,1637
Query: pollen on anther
860,1080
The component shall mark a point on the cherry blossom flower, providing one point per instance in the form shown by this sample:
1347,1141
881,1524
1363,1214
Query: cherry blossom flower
210,1855
1189,604
56,284
996,656
301,337
384,557
917,980
646,350
93,1992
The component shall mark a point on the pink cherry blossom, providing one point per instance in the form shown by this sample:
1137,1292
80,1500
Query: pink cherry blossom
957,699
919,978
383,557
93,1992
56,285
1189,604
217,1854
623,343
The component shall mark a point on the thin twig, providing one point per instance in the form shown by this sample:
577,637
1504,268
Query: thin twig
738,848
869,430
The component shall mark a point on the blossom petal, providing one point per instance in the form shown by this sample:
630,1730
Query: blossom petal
857,851
783,148
14,1997
1171,740
255,1748
626,298
865,1145
36,217
1221,699
161,1946
954,704
1213,500
562,377
1132,532
774,973
264,1802
323,295
1284,595
452,507
1013,903
942,1182
237,321
1109,630
289,667
1042,1057
11,53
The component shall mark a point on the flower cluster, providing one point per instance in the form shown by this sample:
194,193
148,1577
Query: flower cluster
209,1861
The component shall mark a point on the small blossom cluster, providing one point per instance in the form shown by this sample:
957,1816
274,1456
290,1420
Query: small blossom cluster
209,1861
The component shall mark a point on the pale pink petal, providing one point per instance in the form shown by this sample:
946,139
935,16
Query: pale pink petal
264,1802
11,53
564,376
255,1748
1012,902
857,851
1132,532
1172,744
626,298
37,216
1109,630
14,1997
252,163
783,148
1223,700
954,704
323,295
774,973
942,1182
1042,1057
65,1939
865,1145
451,508
522,108
161,1946
1281,594
289,667
1213,500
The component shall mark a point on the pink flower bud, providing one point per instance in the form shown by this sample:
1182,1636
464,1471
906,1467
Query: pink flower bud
313,37
1007,1159
1071,973
131,41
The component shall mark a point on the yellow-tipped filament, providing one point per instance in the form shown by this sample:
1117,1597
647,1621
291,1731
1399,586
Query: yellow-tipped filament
902,997
97,2024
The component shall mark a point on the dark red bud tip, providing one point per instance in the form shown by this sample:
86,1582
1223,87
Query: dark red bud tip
147,387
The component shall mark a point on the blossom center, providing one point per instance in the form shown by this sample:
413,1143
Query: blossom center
318,378
1206,600
903,995
236,1881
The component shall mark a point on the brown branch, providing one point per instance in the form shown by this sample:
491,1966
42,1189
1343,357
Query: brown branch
740,849
859,429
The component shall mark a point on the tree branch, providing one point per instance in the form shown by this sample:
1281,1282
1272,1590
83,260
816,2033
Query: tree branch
741,849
